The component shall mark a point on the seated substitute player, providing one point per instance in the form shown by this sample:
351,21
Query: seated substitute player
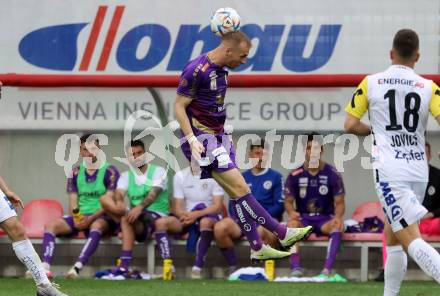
201,112
398,103
430,224
314,195
148,197
266,185
85,189
198,203
22,246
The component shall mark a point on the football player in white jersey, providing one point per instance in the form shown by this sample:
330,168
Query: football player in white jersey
20,243
399,102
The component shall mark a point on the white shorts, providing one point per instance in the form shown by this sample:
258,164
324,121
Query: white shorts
7,210
402,202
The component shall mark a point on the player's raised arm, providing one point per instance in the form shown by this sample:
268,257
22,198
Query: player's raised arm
180,106
355,109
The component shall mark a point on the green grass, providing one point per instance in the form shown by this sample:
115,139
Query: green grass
19,287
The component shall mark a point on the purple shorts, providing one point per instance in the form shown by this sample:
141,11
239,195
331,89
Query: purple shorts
113,226
219,154
147,218
316,222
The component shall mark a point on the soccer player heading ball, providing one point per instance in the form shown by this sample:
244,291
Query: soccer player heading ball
201,112
398,102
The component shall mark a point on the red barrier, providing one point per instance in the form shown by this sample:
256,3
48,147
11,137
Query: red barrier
235,80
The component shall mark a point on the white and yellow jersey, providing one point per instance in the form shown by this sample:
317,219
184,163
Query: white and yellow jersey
398,102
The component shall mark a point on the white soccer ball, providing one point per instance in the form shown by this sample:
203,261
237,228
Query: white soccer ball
225,20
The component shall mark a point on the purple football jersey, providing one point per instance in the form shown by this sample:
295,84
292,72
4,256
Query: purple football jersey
206,83
314,195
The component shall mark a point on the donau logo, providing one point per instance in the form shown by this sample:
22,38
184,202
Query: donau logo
56,47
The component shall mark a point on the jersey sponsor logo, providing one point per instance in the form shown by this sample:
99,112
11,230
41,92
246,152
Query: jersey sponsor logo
313,207
303,180
323,189
267,185
389,199
56,47
409,156
323,179
401,81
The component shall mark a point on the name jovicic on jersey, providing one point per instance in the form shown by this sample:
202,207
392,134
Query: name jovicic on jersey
398,102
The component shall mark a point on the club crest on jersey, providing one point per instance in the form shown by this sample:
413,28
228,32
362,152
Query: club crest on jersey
205,186
431,190
267,184
323,189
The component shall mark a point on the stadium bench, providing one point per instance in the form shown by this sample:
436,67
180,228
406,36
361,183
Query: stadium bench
48,209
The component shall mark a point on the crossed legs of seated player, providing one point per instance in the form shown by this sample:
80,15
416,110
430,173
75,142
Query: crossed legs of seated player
333,228
249,212
25,252
139,230
65,227
407,240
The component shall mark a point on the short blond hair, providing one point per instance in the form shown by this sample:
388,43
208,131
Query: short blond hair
236,38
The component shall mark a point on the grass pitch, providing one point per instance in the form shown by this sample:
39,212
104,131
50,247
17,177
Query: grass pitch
83,287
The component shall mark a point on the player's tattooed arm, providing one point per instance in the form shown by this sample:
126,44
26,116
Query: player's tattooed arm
355,126
151,196
148,200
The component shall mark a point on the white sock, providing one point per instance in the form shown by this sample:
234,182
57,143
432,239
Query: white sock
26,254
78,265
395,269
46,265
426,257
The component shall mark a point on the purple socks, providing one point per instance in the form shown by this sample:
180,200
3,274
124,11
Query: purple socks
248,212
332,250
247,225
125,257
230,257
48,247
163,244
203,246
294,261
90,246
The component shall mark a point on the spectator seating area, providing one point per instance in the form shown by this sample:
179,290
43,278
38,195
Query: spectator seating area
38,212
